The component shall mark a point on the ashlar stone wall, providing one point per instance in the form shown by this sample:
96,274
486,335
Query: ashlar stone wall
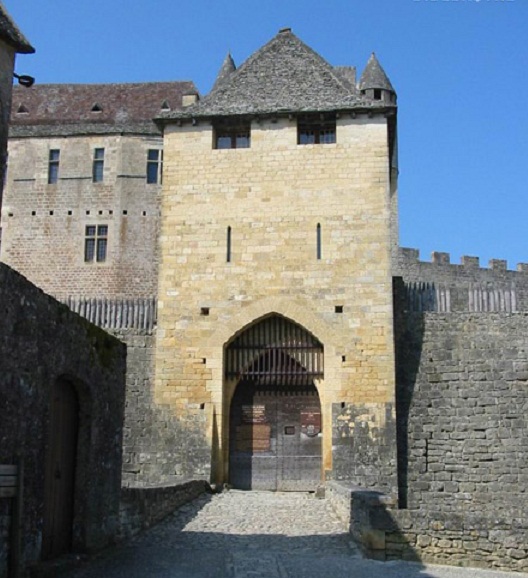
43,225
272,196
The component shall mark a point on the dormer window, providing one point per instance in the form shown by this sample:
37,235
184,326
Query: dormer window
231,135
165,106
22,110
320,129
97,108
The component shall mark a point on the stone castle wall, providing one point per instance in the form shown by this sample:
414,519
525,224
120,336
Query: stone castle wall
42,342
44,224
158,447
273,205
461,393
442,286
461,397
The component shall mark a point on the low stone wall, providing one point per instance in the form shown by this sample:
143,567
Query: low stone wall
458,539
143,507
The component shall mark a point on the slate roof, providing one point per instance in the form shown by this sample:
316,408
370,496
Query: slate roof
284,76
11,35
228,67
374,76
66,109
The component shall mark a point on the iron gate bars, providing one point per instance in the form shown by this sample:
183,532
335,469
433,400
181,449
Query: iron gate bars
275,349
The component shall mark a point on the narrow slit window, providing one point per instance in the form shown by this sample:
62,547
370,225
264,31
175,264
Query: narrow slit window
319,241
98,165
53,166
228,248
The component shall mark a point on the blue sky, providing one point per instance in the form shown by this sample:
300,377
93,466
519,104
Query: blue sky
460,68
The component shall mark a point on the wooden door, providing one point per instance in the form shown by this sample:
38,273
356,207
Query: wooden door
60,471
275,438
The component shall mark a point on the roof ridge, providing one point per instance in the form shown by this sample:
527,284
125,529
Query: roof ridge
99,84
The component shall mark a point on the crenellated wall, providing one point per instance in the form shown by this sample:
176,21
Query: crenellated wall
441,286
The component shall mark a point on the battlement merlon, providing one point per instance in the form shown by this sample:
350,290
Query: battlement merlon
410,256
441,286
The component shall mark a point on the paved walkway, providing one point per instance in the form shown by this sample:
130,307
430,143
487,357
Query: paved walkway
255,535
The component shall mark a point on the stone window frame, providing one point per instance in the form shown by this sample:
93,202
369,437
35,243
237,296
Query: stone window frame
98,165
53,166
232,134
154,166
316,129
95,243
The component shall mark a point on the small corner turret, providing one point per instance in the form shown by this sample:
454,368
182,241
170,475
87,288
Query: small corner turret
227,68
375,84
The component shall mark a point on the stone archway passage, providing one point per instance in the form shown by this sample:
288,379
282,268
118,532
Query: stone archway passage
275,417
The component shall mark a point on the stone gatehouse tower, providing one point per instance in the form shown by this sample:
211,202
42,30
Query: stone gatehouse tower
275,345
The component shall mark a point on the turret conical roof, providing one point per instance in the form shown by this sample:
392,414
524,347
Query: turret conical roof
227,68
374,76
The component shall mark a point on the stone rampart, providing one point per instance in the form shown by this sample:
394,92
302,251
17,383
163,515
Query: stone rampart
462,392
442,286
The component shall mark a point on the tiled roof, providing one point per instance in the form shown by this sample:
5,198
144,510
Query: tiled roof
374,76
10,34
283,76
62,109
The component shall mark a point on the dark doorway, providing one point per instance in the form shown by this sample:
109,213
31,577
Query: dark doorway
275,417
60,470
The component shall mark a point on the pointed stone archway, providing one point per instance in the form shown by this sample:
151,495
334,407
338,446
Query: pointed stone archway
275,424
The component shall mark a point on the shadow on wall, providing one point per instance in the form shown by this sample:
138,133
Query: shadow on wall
408,352
375,529
159,447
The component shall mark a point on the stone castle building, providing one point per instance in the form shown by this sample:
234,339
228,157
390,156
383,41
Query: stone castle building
85,165
291,343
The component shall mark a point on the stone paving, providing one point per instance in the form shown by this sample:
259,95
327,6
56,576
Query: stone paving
254,535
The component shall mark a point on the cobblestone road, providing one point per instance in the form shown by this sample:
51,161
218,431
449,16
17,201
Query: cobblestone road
254,535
